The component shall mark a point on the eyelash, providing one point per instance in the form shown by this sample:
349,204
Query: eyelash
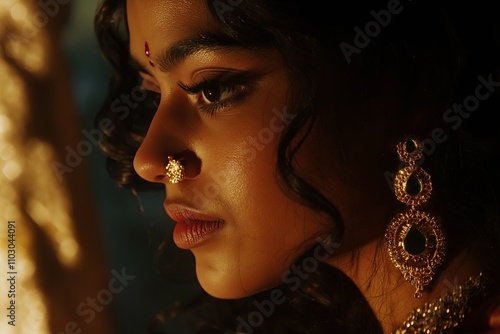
223,83
236,85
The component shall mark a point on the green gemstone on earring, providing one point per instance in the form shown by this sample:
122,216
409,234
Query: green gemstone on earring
413,185
415,241
411,146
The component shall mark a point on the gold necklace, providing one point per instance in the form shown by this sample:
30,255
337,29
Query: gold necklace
446,312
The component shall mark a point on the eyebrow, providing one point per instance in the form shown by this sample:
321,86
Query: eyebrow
172,56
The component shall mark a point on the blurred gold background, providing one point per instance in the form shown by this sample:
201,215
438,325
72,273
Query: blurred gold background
57,261
79,265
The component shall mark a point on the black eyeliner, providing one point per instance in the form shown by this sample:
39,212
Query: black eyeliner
226,80
222,78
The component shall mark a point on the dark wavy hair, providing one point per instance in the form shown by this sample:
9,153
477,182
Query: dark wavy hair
438,50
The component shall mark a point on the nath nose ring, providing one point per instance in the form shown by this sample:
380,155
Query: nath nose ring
175,170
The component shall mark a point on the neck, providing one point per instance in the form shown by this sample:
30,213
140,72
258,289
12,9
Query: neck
389,295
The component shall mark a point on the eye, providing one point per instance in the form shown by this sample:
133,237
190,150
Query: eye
219,93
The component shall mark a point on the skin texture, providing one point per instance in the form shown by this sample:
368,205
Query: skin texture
230,178
231,172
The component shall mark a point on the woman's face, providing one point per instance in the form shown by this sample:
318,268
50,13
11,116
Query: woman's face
225,107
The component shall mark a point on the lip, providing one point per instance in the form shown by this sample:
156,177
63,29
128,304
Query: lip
193,228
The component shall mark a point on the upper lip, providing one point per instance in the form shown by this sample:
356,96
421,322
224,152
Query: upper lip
182,213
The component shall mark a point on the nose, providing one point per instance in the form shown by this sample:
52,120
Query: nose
149,161
165,138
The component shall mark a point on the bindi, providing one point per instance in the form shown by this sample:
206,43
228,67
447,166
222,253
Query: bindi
148,54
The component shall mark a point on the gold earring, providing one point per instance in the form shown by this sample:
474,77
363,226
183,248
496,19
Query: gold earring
415,240
175,170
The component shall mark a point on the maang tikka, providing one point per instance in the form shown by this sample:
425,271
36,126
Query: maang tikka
415,240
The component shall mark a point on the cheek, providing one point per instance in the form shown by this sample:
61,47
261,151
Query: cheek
265,230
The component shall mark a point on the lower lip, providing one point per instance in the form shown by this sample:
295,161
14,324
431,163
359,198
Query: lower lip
194,233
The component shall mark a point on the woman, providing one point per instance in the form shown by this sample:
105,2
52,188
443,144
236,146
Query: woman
330,170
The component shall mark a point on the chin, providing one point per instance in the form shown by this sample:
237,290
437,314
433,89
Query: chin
221,284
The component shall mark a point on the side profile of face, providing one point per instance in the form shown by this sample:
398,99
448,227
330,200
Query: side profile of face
227,107
222,110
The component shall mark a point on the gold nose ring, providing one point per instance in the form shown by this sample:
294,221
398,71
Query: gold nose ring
175,170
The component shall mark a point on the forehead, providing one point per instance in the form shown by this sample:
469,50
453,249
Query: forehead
163,22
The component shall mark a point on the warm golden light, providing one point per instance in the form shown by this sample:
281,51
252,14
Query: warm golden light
29,190
54,264
18,12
